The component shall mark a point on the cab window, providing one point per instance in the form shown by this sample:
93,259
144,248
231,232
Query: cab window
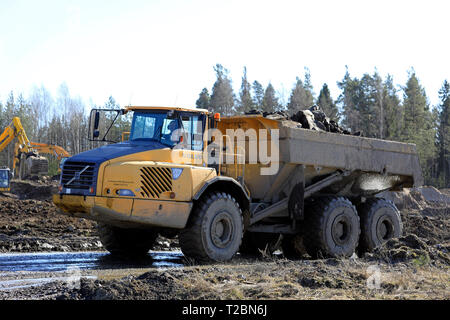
193,125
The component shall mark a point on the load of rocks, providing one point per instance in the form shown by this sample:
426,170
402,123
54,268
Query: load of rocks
313,118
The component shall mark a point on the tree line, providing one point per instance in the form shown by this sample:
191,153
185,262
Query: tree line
61,120
371,104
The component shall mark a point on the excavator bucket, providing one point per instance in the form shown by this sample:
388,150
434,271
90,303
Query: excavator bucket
36,165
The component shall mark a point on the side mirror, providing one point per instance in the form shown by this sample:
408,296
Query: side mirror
96,134
96,121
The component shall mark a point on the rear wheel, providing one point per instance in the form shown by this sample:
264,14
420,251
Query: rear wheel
380,221
215,229
126,242
331,227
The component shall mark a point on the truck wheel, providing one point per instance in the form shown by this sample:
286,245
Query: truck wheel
253,242
380,221
215,229
293,247
331,227
126,242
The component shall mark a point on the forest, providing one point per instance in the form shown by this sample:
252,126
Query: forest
376,106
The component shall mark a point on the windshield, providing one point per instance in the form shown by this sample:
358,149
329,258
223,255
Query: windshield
153,126
159,126
4,178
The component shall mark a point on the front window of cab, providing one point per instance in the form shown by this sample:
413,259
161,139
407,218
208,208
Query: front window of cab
168,128
153,126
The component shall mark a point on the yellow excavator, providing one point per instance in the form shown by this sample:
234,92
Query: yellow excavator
27,160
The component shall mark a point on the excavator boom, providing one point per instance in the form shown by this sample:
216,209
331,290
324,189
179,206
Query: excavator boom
57,151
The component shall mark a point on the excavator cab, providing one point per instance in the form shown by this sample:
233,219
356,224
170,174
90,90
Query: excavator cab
5,179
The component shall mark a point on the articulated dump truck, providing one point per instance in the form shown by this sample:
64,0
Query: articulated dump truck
237,184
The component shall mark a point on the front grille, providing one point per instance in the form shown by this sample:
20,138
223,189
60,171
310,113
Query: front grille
155,180
78,175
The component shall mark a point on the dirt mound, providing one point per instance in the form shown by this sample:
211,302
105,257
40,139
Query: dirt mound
430,224
34,190
148,286
35,225
411,248
418,198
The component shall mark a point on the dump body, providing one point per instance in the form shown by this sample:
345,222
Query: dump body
370,165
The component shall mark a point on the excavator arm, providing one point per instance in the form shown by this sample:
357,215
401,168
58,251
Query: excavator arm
57,151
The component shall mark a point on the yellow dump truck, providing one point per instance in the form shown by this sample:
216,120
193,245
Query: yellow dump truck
236,184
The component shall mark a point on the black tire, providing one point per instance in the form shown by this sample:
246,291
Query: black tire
293,247
215,229
331,227
126,242
255,242
380,221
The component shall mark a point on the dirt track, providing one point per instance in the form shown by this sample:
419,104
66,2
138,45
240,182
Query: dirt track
415,266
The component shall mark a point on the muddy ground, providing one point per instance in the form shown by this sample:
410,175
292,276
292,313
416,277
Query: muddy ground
29,222
416,266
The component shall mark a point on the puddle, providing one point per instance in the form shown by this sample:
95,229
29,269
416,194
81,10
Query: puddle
63,266
62,261
33,282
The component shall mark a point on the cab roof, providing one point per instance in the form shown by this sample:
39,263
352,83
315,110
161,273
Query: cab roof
132,108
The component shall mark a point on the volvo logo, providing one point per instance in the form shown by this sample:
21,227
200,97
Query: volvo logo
77,175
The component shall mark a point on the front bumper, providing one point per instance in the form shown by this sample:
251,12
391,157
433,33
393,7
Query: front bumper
125,212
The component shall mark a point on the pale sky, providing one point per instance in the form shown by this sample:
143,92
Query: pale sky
163,52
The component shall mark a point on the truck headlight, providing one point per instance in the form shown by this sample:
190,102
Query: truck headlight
125,193
176,172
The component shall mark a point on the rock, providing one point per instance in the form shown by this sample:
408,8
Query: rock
46,246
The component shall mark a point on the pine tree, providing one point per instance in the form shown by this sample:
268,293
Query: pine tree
348,101
299,99
203,100
368,105
23,111
258,95
309,90
443,136
393,111
222,97
326,103
270,101
418,123
245,98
